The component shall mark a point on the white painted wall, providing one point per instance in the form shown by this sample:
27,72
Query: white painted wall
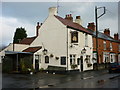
76,49
20,47
53,37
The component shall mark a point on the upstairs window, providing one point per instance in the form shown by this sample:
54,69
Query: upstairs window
74,37
110,46
104,43
86,40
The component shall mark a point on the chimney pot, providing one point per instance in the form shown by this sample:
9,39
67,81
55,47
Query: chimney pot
77,17
78,20
107,31
91,26
116,36
37,28
69,17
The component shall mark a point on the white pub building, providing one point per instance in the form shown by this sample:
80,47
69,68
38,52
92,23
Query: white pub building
59,43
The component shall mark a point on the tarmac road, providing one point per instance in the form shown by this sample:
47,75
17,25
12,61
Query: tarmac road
88,79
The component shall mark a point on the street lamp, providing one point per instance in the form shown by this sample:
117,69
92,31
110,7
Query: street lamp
96,18
44,51
83,51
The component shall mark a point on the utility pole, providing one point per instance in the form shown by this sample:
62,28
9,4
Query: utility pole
96,21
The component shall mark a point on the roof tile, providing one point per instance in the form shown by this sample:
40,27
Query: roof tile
27,41
32,49
72,24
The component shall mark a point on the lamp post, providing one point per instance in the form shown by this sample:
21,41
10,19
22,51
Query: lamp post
44,51
96,18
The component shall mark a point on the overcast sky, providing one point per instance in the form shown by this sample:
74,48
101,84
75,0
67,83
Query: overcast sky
27,14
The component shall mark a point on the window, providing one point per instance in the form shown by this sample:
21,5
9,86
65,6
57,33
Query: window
104,45
74,37
87,59
46,59
78,61
72,59
63,60
110,46
86,40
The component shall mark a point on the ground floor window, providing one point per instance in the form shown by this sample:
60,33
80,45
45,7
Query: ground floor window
63,60
87,59
46,59
72,58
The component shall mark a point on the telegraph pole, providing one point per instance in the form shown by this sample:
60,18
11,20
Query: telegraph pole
96,21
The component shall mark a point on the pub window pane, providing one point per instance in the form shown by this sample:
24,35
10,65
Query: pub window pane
63,60
46,59
74,37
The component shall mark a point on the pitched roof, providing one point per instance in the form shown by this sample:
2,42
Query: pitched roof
32,49
103,36
28,40
72,24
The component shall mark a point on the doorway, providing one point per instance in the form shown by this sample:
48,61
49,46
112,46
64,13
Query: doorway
81,63
37,62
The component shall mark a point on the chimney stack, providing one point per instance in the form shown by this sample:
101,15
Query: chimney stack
107,32
69,17
91,26
116,36
52,11
78,20
37,28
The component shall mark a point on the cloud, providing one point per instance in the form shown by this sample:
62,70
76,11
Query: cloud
9,26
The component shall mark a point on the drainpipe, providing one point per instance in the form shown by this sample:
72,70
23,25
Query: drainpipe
67,48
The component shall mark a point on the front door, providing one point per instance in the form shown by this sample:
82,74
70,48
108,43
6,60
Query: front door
81,63
37,65
37,62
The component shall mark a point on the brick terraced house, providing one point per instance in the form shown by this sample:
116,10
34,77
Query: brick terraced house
108,47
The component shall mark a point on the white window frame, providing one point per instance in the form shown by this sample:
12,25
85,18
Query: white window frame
86,39
111,47
72,58
104,45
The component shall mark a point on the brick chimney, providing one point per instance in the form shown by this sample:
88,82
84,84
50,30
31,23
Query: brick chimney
116,36
37,28
91,26
78,20
69,17
107,32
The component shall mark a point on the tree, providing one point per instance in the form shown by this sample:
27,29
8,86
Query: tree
19,35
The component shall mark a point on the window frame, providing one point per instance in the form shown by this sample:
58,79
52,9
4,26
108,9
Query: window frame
61,60
104,45
72,58
74,34
47,59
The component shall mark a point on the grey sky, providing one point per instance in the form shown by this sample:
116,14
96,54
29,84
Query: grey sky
26,14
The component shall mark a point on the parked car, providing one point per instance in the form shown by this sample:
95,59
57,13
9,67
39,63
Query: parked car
114,67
